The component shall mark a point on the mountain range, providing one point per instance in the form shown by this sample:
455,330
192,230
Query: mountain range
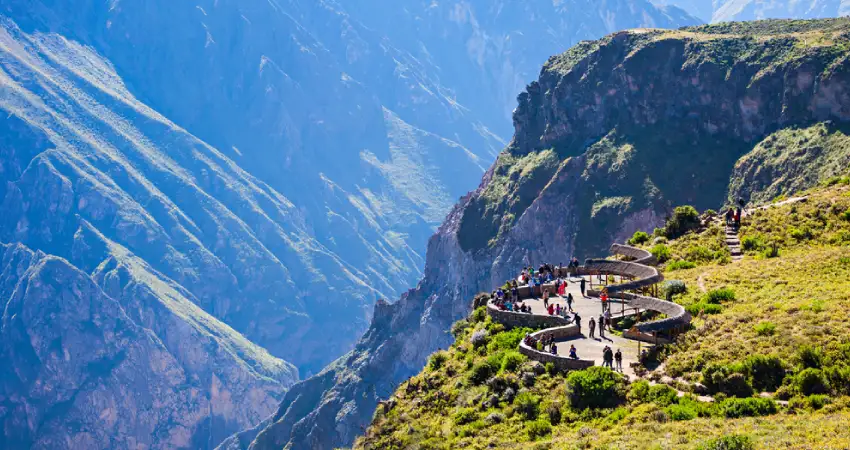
204,202
612,136
714,11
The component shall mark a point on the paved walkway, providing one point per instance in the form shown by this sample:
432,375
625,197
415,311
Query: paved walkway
591,348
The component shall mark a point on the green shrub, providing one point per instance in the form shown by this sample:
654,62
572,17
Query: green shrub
595,387
478,314
818,401
845,216
810,357
527,404
551,370
729,442
800,234
639,392
640,237
747,407
699,253
507,340
726,379
673,287
495,361
684,219
752,243
765,328
737,385
512,361
464,416
712,309
715,296
662,395
437,360
661,252
538,429
832,181
771,251
811,381
459,327
681,412
698,308
680,265
479,373
766,373
554,413
838,378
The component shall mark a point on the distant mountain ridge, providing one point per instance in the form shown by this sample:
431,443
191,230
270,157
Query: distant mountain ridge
714,11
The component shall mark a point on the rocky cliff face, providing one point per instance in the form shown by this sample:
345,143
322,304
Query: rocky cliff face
81,369
613,134
109,336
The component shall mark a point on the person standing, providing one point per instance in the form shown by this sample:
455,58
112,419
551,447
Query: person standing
577,319
619,358
608,358
592,325
570,301
601,326
582,285
608,318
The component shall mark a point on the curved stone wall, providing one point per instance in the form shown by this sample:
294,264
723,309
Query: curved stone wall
641,274
638,255
562,363
513,319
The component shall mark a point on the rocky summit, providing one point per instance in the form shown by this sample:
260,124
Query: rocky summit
613,135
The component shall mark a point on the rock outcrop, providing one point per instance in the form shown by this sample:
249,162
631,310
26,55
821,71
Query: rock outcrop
613,135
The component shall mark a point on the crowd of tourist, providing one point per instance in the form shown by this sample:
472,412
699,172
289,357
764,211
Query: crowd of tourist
507,298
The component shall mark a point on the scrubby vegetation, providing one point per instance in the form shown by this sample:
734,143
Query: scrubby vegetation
761,325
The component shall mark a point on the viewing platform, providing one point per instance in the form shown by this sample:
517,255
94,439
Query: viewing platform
632,287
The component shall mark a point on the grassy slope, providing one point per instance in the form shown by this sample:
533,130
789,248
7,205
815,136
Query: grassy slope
448,413
805,292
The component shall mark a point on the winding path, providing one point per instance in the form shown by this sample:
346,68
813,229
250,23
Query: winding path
630,277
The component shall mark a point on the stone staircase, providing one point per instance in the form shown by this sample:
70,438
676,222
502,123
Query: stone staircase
734,243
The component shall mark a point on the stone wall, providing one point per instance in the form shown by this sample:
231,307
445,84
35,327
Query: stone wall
639,255
643,275
512,319
561,363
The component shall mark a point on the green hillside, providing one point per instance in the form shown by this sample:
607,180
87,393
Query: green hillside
774,322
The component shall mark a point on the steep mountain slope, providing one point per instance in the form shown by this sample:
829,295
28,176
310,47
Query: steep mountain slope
368,132
487,51
291,111
78,169
81,368
614,134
